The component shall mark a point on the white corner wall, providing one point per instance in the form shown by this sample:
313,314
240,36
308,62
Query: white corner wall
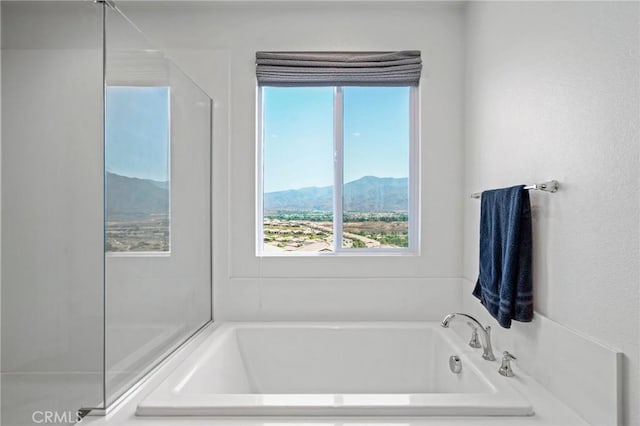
552,92
215,43
52,243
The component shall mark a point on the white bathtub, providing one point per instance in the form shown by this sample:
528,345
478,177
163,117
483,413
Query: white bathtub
334,369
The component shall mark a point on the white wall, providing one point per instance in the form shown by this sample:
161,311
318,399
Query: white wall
52,203
216,45
52,262
552,91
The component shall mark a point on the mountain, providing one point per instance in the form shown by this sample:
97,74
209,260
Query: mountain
128,196
307,199
367,194
374,194
160,184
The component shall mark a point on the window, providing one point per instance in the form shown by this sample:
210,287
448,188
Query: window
338,170
137,176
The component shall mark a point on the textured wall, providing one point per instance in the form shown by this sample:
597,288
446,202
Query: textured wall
552,91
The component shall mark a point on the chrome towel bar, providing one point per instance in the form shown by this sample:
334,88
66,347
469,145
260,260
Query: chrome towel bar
550,186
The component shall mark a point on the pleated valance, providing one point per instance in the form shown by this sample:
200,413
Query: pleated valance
400,68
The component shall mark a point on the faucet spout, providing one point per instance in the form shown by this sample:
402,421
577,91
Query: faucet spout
485,333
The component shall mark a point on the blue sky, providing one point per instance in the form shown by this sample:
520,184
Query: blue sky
298,135
137,132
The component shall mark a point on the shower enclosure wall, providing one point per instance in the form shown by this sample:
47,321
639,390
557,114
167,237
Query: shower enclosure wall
106,208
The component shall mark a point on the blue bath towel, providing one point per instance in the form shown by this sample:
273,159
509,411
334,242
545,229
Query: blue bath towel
504,284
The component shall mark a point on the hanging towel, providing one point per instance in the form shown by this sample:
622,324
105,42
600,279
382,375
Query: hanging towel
504,284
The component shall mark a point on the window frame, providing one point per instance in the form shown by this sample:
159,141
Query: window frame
338,181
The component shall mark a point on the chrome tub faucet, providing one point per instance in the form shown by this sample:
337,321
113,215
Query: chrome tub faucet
485,332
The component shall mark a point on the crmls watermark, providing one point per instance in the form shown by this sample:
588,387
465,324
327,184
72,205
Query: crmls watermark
56,417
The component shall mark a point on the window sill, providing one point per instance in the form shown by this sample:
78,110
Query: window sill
354,253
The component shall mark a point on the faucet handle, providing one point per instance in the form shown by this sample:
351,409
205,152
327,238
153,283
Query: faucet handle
474,342
508,356
505,367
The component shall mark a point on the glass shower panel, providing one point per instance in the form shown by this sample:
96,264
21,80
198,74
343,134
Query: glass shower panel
52,210
158,204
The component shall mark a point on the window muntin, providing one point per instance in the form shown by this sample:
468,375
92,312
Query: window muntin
137,175
370,201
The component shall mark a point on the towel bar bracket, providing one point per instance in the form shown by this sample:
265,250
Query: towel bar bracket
551,186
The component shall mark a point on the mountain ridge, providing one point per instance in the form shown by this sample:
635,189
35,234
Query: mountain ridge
366,194
129,196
